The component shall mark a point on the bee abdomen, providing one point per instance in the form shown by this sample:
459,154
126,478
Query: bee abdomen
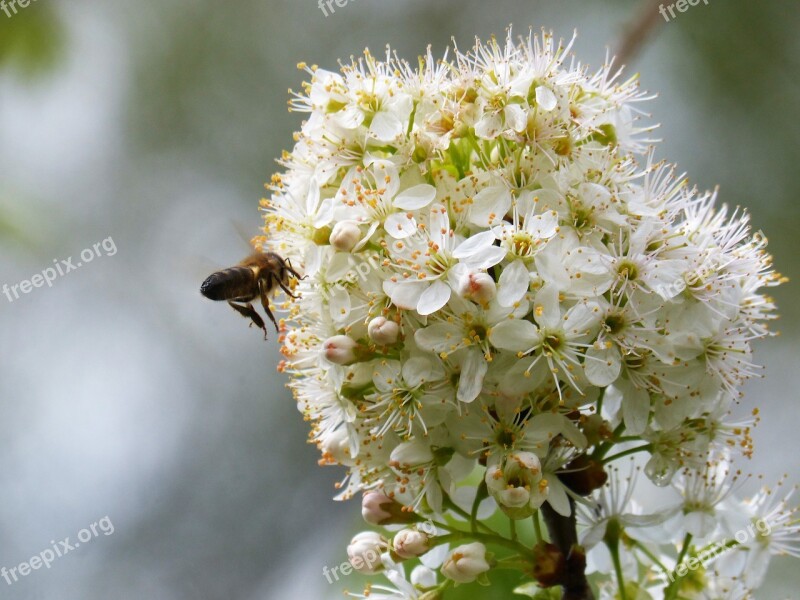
230,284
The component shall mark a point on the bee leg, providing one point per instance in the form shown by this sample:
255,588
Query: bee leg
249,312
285,289
291,270
263,287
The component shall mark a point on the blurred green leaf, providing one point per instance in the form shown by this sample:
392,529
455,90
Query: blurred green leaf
31,41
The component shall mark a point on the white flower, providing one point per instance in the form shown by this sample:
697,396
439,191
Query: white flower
517,485
502,284
465,563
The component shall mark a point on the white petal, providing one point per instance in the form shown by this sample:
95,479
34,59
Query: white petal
486,258
490,205
516,118
416,370
635,408
557,496
513,284
339,304
545,98
515,334
404,294
473,370
582,319
474,244
386,374
385,127
350,118
603,365
400,226
489,126
439,229
416,197
325,213
434,298
439,337
543,226
546,307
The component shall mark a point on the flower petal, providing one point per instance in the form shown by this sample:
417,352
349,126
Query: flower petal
434,298
400,226
416,197
513,284
473,370
517,335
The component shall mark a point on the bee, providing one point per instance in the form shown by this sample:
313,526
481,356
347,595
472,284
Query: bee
257,276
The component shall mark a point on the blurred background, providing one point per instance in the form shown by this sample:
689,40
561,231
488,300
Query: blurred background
125,394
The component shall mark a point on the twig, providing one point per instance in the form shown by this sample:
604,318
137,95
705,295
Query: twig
564,534
638,30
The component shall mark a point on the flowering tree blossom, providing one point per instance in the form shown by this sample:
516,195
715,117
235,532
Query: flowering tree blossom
505,293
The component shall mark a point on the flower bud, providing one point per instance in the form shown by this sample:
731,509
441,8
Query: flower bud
465,563
345,235
373,505
364,552
383,331
340,349
517,485
410,543
479,287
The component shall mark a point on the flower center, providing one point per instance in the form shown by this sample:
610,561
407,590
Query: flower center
628,269
614,323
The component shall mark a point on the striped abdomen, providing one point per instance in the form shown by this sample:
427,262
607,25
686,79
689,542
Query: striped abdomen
236,283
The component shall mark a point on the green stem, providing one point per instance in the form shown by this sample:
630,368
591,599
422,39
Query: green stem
600,401
644,550
623,594
480,494
623,454
603,448
671,593
484,538
461,512
537,527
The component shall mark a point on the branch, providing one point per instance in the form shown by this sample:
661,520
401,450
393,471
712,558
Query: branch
638,30
564,534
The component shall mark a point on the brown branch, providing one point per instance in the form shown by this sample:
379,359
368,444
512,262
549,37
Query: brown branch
638,30
564,534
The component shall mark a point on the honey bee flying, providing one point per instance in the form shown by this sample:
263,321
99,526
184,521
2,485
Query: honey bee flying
257,276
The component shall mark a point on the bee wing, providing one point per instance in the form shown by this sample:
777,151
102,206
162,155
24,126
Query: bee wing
242,230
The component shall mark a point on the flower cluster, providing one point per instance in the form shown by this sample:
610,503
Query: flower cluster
504,292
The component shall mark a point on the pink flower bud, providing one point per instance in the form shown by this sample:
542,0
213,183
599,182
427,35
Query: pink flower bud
340,349
479,287
373,507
